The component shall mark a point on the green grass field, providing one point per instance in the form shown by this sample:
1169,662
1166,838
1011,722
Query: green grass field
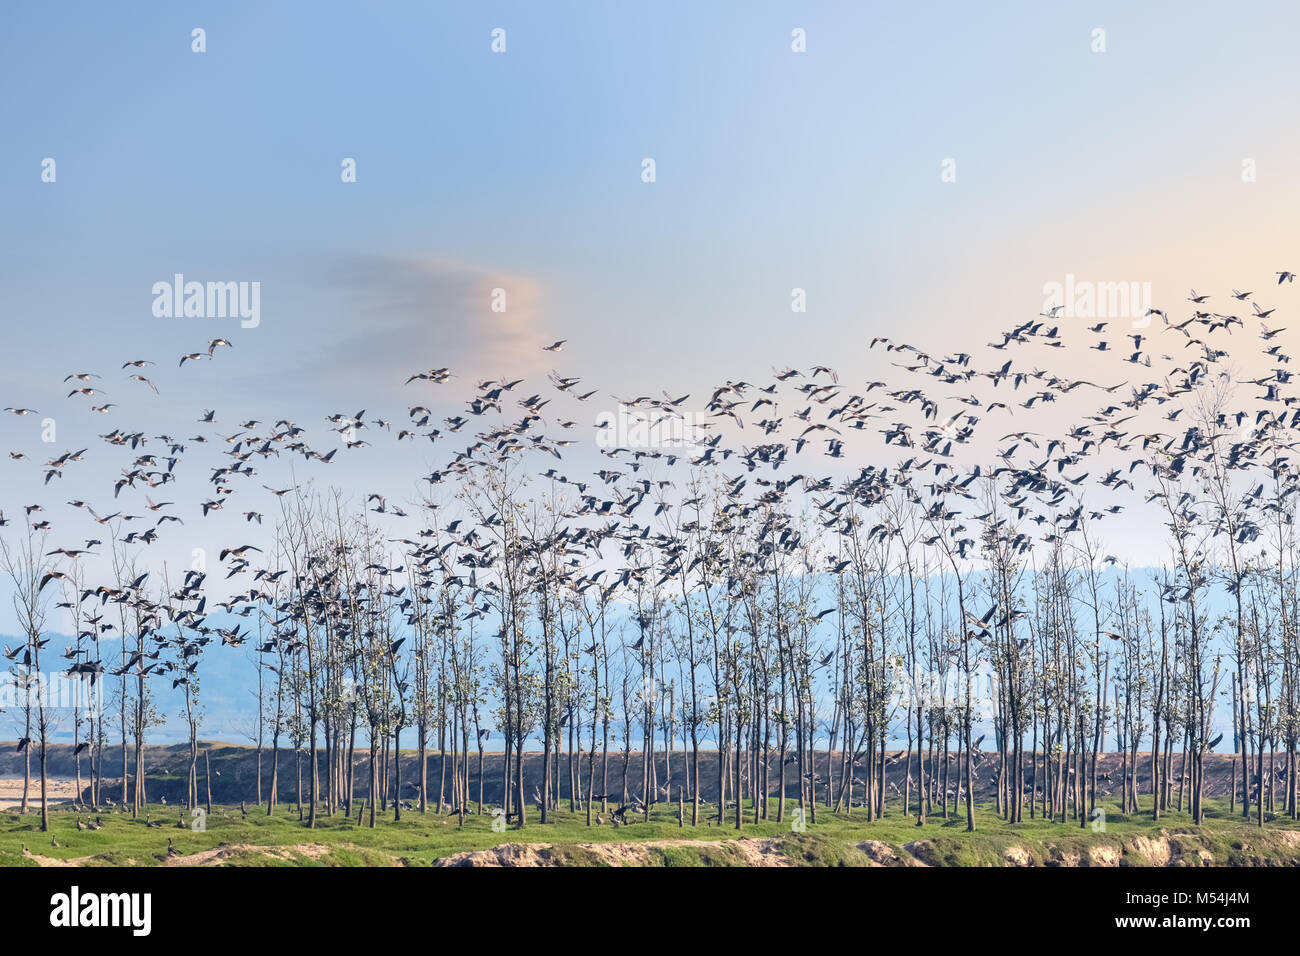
282,840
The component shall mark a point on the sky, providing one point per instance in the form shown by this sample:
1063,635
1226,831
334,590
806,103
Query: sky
919,171
774,170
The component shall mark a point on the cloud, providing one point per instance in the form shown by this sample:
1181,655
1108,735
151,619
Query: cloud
443,312
389,317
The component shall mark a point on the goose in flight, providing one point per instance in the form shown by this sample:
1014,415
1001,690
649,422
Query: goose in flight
73,553
237,552
555,346
51,576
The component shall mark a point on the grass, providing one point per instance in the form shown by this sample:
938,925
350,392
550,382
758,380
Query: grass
834,840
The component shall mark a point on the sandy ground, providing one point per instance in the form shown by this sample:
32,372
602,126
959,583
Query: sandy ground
57,791
755,852
219,854
1161,849
213,857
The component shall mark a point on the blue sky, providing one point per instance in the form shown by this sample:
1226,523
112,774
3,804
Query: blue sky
775,170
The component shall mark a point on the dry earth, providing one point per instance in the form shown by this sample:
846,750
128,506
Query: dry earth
1163,849
755,852
216,856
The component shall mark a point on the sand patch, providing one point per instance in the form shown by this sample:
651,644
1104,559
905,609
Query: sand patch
753,852
1156,851
1018,856
1102,855
884,854
57,790
219,854
56,861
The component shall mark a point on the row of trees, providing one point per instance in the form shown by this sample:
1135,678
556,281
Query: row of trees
800,625
801,645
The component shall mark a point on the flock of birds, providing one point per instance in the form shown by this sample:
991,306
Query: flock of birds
766,439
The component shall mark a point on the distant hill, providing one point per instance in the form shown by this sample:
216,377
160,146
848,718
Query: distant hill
235,777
